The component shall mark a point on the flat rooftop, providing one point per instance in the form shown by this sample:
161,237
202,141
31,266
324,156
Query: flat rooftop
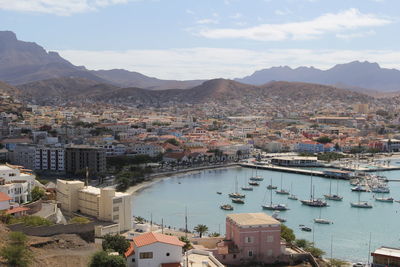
385,251
249,219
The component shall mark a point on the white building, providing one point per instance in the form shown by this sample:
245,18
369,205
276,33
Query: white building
4,201
155,250
103,203
16,183
151,150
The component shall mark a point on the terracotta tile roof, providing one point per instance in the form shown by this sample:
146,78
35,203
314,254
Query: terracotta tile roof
130,251
4,197
175,264
16,210
150,238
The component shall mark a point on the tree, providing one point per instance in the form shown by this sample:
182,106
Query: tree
201,229
324,140
215,234
187,245
37,193
337,147
337,263
103,259
287,234
16,252
116,243
173,141
316,252
139,220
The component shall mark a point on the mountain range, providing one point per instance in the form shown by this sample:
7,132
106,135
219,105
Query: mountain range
43,77
354,75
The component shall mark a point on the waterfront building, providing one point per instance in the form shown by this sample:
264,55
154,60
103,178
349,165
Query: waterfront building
102,203
386,256
309,147
16,183
250,237
78,157
154,249
295,161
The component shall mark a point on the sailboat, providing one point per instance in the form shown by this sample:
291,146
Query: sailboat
331,196
271,187
292,196
320,220
313,202
282,191
236,194
256,177
274,206
247,188
361,204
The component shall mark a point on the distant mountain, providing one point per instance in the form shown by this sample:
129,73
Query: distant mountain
126,78
65,88
351,75
224,91
22,62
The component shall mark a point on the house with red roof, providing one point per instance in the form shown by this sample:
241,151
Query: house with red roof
4,201
154,249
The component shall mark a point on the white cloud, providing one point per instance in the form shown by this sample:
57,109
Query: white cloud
207,21
349,36
350,19
282,12
207,63
236,16
58,7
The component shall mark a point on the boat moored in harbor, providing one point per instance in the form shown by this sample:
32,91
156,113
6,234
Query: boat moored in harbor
238,200
385,199
226,207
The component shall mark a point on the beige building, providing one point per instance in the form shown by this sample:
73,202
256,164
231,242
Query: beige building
103,203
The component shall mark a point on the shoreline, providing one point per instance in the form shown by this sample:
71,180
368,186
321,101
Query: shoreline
133,190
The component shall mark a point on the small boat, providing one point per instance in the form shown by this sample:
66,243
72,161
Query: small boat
236,195
238,200
271,187
305,229
331,196
358,188
247,188
385,199
254,183
282,191
276,217
322,221
314,203
256,177
226,207
219,193
280,207
292,197
380,189
362,204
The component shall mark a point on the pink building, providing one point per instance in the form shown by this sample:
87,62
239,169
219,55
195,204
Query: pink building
250,237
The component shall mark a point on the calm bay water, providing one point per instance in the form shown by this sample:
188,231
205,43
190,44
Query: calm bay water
350,231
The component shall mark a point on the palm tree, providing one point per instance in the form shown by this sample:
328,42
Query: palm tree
201,229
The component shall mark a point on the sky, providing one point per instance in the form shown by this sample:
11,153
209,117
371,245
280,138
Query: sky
204,39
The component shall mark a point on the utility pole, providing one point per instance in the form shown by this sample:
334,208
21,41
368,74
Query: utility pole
162,225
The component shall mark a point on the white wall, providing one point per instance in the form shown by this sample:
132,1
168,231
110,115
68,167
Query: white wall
159,254
4,205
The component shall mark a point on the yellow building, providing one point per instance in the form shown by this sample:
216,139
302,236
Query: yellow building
103,203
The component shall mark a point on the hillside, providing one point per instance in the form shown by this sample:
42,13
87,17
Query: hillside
124,78
63,88
351,75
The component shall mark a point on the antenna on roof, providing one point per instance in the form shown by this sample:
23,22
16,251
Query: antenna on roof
87,176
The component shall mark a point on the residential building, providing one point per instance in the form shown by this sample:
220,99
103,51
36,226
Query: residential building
151,150
385,257
156,250
78,157
310,147
23,155
103,203
16,183
250,237
4,201
50,158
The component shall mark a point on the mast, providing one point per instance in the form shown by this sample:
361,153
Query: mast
330,186
311,194
271,194
186,224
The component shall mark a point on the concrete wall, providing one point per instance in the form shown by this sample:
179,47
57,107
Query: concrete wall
160,251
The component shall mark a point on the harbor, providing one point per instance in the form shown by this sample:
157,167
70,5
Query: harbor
347,226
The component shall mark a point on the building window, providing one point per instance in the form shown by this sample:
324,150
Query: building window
116,209
269,252
223,257
116,217
167,254
234,256
270,238
133,259
146,255
117,200
248,239
250,253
